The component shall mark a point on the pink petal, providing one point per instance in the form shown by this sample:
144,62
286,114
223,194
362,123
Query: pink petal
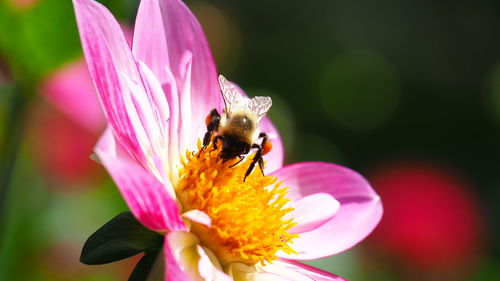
198,216
188,131
173,246
274,159
359,213
70,89
149,42
146,197
155,93
171,93
148,111
108,59
141,114
307,214
207,270
155,102
267,276
294,271
165,30
158,106
186,260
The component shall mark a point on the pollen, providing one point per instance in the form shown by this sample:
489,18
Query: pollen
248,217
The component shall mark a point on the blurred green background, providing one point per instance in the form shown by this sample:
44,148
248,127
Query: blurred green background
406,92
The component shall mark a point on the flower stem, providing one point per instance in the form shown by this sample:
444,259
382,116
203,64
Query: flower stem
16,99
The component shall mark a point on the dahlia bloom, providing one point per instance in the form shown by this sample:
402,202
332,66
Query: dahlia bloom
71,119
214,225
70,90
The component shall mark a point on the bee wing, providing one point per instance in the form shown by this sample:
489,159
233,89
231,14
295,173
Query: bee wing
234,101
260,106
231,96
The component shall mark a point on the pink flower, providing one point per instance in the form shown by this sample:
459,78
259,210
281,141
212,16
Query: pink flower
70,90
156,96
65,128
62,147
447,236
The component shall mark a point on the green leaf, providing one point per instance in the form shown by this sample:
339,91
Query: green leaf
143,267
120,238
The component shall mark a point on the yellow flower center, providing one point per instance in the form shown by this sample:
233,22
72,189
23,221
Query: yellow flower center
248,222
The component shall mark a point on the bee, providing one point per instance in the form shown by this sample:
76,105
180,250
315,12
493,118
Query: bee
238,126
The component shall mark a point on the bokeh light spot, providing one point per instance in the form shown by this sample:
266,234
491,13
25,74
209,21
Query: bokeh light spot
432,221
22,4
359,90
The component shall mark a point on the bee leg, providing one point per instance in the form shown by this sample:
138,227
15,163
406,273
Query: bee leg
258,156
261,165
256,159
212,121
207,138
241,159
206,141
263,149
249,171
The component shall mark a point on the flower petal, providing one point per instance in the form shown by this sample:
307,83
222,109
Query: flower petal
207,270
147,108
149,42
186,260
108,58
189,128
359,213
158,104
241,271
274,159
294,271
160,44
178,257
70,89
146,197
198,216
308,216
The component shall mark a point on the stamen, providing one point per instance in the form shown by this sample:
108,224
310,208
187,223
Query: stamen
247,216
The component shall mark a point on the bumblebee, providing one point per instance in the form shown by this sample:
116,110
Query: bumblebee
238,126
